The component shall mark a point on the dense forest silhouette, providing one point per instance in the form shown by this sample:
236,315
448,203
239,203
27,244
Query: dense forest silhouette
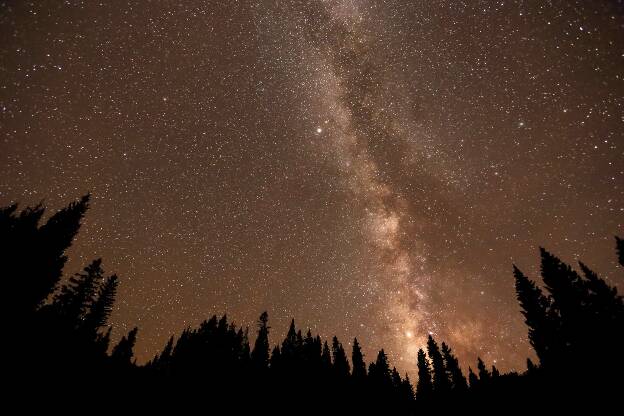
59,339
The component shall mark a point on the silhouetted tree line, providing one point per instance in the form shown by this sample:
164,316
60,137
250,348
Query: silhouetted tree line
60,332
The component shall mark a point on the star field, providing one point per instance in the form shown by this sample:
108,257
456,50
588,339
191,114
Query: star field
370,168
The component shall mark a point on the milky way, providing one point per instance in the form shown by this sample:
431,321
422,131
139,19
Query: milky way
370,168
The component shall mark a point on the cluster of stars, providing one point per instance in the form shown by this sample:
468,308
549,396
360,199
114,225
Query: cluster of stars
371,169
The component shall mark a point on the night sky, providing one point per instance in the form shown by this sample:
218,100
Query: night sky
371,168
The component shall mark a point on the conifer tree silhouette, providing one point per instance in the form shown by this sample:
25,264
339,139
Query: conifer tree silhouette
424,387
357,358
275,358
473,379
289,346
407,390
102,306
260,353
441,383
326,361
64,331
75,298
341,364
484,374
33,256
454,373
379,373
535,308
123,352
619,245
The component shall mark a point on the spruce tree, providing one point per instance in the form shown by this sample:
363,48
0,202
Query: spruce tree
535,308
458,381
424,386
260,353
357,359
473,379
380,372
341,364
289,345
441,383
123,352
484,374
102,307
407,390
276,356
396,378
34,256
75,299
326,361
568,293
619,245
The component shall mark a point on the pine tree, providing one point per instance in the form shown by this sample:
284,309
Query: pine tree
42,267
341,365
276,356
75,298
163,360
245,352
619,244
289,345
535,308
123,352
102,342
424,387
568,294
311,352
473,378
441,383
326,361
396,378
380,372
454,373
407,390
260,353
484,374
100,310
357,358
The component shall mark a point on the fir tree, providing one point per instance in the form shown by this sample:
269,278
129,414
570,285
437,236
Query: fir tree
100,310
276,356
473,379
289,345
75,298
341,365
326,361
357,358
441,383
454,373
123,352
535,308
380,372
484,374
424,387
260,353
396,378
407,390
